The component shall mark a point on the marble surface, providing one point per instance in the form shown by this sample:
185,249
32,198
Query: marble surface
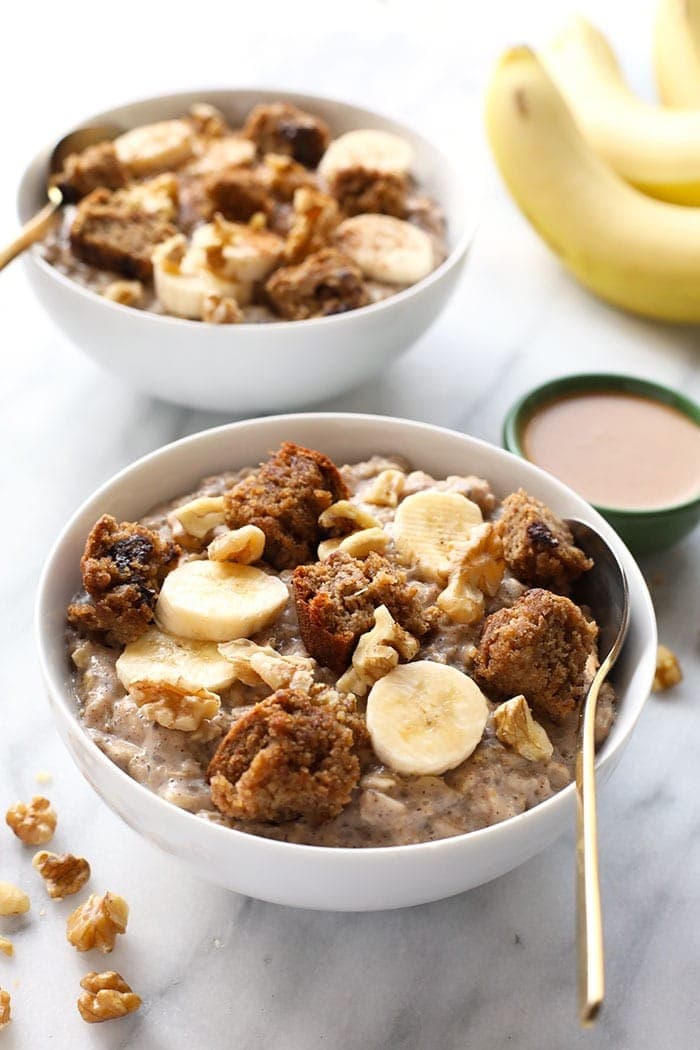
494,967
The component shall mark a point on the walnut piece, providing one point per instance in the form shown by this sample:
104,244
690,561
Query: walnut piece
516,728
96,922
343,517
63,873
13,900
314,219
244,545
668,670
386,488
257,665
476,569
33,824
128,293
5,1008
201,515
172,705
106,997
377,653
221,309
7,947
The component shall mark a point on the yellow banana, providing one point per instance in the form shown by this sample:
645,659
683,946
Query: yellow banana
677,53
655,148
636,252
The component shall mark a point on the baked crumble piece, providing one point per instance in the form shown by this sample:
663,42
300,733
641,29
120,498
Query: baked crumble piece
538,647
290,756
123,567
113,235
336,600
285,498
360,190
97,167
238,193
539,548
280,127
327,282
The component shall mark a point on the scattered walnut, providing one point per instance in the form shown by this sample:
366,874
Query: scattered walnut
257,665
128,293
5,1008
386,488
13,900
33,824
7,947
343,517
476,568
516,728
221,309
63,873
244,545
106,996
207,120
377,653
200,516
96,922
668,670
315,217
180,706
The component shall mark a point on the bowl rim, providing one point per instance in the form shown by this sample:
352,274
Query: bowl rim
586,382
42,629
472,213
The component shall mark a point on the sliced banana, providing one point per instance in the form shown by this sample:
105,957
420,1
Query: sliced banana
232,251
159,657
182,283
219,601
219,154
155,146
425,718
428,524
387,249
201,515
371,149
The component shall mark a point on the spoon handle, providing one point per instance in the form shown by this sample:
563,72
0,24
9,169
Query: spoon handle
32,231
591,983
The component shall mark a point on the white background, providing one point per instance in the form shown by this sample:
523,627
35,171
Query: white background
493,968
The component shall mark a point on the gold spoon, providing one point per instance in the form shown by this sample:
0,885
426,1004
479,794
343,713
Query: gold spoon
38,225
604,590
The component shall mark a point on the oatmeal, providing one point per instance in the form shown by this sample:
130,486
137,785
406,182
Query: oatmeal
344,656
275,220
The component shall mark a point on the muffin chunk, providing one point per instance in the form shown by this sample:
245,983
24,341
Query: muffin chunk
285,499
97,166
538,647
280,127
360,191
327,282
335,602
123,567
290,756
112,235
539,548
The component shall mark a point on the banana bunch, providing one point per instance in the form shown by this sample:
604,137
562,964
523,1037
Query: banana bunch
601,175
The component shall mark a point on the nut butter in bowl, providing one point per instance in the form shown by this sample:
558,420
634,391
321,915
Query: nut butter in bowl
629,446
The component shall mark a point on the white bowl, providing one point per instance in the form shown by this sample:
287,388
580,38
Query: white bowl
314,876
251,368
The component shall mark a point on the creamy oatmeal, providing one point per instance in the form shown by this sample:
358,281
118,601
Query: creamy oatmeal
366,656
275,220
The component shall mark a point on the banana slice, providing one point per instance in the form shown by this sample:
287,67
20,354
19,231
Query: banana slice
387,249
159,657
428,524
231,251
182,283
425,718
155,146
227,152
219,601
374,150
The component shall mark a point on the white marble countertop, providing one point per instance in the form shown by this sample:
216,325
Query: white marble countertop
494,967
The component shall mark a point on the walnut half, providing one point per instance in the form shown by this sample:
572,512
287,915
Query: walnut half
106,997
377,653
668,670
175,706
96,922
476,569
13,900
63,873
5,1011
516,728
35,823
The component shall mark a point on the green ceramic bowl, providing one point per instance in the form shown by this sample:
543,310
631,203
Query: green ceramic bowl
642,530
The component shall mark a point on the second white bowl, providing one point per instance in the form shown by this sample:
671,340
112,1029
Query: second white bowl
250,368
